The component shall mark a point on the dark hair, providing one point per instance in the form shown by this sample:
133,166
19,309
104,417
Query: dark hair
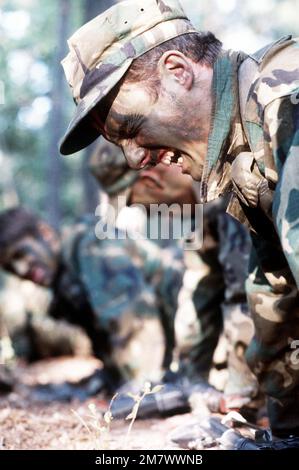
15,224
201,47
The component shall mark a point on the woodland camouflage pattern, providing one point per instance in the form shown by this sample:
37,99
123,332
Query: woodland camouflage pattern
265,185
233,252
116,283
220,301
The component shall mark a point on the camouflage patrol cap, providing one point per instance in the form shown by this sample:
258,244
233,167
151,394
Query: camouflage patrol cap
110,168
102,51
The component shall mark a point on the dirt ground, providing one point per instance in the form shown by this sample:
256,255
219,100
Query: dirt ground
27,424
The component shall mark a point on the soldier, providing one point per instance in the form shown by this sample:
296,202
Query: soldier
106,286
221,265
143,77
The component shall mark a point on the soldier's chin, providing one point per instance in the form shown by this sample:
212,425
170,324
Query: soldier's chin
48,280
195,172
41,276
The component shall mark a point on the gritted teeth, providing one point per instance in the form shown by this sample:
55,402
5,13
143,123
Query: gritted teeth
166,161
180,161
169,154
166,158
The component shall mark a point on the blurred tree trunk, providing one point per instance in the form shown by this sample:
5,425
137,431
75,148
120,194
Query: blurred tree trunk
91,9
54,161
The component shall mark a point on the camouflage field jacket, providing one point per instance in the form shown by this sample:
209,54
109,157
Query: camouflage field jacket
256,110
253,153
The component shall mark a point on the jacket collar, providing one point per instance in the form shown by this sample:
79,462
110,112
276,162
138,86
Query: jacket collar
226,138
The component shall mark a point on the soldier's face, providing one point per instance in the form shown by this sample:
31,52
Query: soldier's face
33,258
159,184
164,128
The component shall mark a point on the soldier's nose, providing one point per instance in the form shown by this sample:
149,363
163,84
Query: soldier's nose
20,267
137,157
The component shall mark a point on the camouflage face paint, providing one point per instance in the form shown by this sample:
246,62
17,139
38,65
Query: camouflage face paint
33,259
150,131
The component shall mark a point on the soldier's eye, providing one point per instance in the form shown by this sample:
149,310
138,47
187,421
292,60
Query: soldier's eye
19,254
130,129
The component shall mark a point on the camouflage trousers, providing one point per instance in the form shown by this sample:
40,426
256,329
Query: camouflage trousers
273,353
220,301
207,298
234,249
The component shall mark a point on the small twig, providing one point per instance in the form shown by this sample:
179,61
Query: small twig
146,390
100,424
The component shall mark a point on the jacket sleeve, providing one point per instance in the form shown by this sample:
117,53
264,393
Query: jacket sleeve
282,130
164,269
113,283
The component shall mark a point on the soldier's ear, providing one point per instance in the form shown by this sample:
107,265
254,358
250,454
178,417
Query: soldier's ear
175,66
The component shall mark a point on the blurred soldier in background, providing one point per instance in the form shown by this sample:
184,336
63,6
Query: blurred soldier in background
220,293
105,286
116,179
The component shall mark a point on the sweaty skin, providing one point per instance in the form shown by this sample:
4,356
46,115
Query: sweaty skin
172,124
